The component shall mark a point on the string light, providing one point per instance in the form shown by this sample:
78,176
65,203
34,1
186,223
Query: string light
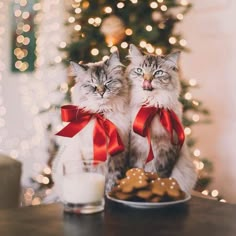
188,96
192,82
113,49
124,45
153,5
196,152
94,51
184,2
108,10
158,51
148,28
128,32
164,8
142,44
172,40
205,192
134,1
214,193
187,131
183,42
120,5
180,16
195,117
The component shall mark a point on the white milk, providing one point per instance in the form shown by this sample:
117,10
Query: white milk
83,188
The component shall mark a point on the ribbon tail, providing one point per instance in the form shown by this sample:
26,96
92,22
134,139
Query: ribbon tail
177,126
150,156
115,143
99,142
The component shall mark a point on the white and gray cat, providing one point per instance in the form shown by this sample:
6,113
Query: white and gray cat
100,88
155,83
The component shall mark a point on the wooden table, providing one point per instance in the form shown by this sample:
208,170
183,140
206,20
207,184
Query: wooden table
201,217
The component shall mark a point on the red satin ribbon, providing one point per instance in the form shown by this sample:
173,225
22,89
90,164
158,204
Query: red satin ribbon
168,119
105,135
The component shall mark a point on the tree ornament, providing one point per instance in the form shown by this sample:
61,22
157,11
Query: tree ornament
114,30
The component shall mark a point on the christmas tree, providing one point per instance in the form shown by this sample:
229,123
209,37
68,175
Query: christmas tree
100,27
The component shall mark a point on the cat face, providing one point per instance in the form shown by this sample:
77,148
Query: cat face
152,73
98,83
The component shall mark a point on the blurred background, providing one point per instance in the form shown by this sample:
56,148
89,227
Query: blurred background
38,38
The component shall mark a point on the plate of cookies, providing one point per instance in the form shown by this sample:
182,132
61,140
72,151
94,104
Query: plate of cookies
140,189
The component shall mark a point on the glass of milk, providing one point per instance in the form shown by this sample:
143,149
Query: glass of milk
83,186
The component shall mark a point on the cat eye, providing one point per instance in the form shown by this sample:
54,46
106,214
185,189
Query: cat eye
159,73
139,71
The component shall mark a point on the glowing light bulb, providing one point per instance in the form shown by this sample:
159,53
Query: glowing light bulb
62,44
71,19
183,42
149,28
113,49
78,10
195,103
214,193
187,131
105,58
164,8
25,15
193,82
158,51
128,32
142,44
108,10
195,117
124,45
120,4
196,152
188,96
91,21
172,40
134,1
180,16
94,51
153,5
77,27
205,192
184,2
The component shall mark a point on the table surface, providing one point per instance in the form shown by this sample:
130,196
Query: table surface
196,217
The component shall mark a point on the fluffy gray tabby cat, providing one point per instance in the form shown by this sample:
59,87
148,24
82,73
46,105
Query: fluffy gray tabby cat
155,83
100,88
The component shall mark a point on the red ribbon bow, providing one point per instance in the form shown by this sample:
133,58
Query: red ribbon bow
168,119
103,129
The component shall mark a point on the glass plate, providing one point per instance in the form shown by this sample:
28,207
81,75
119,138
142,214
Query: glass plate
149,205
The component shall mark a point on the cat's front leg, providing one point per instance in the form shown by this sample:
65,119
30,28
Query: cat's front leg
165,160
116,168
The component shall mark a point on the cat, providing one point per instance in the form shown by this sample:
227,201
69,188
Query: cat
100,88
155,83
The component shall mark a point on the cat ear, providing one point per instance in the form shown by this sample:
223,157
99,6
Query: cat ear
113,60
135,54
173,57
77,69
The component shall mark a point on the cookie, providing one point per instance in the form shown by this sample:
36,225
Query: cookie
138,185
151,175
134,172
144,194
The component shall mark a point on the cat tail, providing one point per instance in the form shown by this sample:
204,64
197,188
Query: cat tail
184,171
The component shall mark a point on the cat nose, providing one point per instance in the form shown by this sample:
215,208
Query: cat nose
101,90
148,77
